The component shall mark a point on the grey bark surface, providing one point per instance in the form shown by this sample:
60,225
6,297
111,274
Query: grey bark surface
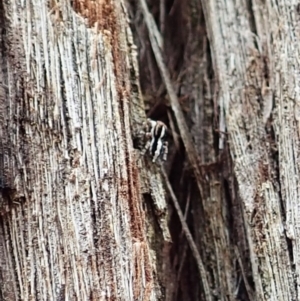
77,212
234,66
83,216
254,48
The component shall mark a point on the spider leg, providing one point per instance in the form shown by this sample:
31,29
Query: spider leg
165,150
159,149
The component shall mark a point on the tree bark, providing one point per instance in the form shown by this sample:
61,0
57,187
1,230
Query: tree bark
234,67
82,218
254,48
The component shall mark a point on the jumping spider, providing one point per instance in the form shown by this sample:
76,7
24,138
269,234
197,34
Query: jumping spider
156,139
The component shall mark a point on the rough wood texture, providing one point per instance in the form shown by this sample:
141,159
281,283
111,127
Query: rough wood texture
236,77
73,222
84,217
255,50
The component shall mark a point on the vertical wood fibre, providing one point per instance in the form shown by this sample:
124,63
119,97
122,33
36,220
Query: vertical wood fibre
71,225
255,49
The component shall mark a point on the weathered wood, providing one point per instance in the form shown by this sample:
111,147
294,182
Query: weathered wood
245,222
255,51
73,223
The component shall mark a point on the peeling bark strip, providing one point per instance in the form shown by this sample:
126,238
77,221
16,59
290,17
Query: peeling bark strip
255,47
79,232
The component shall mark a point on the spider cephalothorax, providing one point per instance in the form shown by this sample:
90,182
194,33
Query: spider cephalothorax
156,139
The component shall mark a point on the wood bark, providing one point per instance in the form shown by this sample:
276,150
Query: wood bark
255,48
82,217
234,66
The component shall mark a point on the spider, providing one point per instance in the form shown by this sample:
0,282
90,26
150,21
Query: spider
156,139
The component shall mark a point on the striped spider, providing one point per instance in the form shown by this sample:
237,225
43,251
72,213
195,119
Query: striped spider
156,139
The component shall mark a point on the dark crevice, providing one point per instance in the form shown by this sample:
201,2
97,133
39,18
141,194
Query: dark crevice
252,22
228,200
293,266
95,216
